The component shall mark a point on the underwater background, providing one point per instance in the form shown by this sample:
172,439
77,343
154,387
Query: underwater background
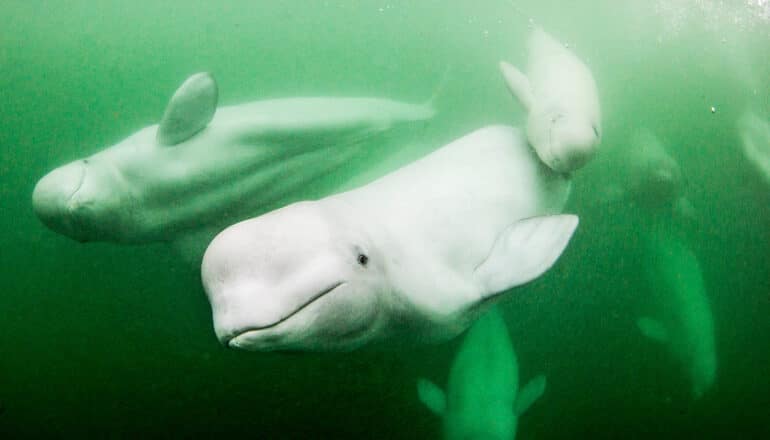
102,340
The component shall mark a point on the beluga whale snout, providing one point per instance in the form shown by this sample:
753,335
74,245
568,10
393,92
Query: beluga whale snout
411,258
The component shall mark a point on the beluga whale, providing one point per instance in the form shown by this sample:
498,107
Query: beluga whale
680,315
650,179
412,257
483,399
203,168
560,97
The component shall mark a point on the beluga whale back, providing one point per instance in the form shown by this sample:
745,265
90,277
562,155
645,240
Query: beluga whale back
483,399
204,168
560,97
413,257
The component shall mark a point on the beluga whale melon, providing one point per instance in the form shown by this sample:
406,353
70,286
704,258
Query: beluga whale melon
560,97
483,399
412,257
204,168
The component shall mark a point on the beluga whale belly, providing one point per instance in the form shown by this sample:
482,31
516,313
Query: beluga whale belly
483,399
203,168
412,257
560,97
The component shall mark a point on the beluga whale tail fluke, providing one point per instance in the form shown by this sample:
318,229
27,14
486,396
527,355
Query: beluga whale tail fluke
204,167
412,257
483,398
559,94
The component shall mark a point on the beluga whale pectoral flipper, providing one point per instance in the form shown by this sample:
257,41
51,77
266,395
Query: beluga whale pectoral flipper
413,257
205,167
559,94
483,398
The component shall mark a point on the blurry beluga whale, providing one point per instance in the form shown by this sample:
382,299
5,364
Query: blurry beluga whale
412,257
559,94
203,168
651,178
682,317
755,135
483,399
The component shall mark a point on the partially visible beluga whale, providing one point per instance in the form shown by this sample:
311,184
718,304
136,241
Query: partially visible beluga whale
483,399
755,136
681,316
413,256
203,168
560,96
651,179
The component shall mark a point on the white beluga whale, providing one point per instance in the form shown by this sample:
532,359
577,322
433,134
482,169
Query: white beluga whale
482,399
755,137
681,315
560,97
412,257
204,168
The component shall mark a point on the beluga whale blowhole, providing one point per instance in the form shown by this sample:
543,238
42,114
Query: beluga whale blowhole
562,103
203,168
413,257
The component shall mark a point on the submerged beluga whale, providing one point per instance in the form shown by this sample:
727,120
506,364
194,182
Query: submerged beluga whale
560,97
652,179
412,257
483,399
681,317
203,168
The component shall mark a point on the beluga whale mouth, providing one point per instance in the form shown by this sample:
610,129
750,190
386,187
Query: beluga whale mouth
241,337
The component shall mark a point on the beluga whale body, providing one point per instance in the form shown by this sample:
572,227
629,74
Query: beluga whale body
483,399
681,317
560,97
412,257
203,168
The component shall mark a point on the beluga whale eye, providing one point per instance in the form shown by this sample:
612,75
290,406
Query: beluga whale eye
596,130
362,259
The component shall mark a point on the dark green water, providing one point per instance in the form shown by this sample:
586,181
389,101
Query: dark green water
99,340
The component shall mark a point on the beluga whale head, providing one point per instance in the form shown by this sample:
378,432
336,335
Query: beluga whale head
322,288
96,199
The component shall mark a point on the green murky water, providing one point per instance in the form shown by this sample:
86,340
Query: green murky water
100,340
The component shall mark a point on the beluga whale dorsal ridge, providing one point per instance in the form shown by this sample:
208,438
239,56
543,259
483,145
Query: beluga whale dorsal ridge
205,167
482,398
559,94
413,257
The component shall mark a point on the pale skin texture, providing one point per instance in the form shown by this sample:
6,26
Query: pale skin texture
483,398
560,96
412,257
249,159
